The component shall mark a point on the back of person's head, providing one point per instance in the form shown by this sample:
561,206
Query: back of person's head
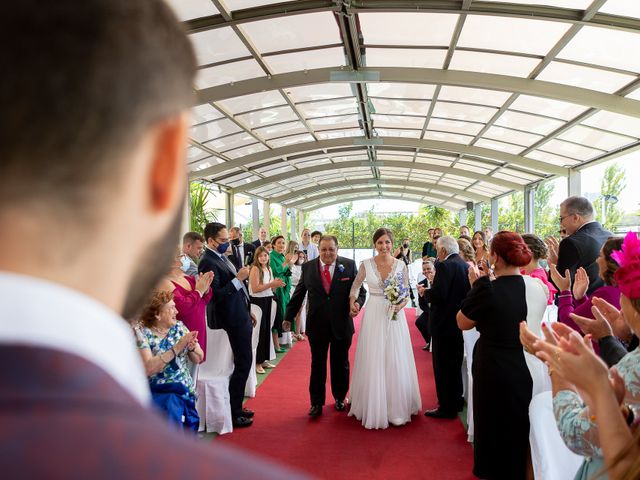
511,248
537,246
466,250
192,237
465,237
578,206
612,244
448,244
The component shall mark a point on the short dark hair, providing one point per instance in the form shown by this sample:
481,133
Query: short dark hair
325,238
212,229
192,237
316,232
578,205
82,83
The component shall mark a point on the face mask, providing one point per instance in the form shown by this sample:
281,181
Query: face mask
235,242
405,245
223,247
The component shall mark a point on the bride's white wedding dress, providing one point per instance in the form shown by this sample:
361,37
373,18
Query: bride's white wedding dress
384,385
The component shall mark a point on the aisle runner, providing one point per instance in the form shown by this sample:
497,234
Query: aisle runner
336,446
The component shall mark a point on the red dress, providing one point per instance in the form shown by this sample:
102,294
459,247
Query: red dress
192,310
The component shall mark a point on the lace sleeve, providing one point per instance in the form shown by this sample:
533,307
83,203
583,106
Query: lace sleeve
359,280
576,428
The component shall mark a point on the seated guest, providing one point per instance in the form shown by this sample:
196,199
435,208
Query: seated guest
576,300
585,427
481,247
539,252
262,238
424,288
315,237
466,251
165,343
191,296
261,286
309,248
192,248
429,248
499,368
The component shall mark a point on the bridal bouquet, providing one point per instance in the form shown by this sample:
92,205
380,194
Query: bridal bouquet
395,292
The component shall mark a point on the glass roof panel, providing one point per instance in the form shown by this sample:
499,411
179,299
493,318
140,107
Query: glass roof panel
279,130
401,90
354,132
557,160
448,137
634,95
335,122
242,4
462,111
572,150
216,129
189,9
575,4
404,57
530,123
511,178
320,91
400,107
254,101
615,122
194,154
298,31
228,73
584,77
397,121
208,49
595,138
248,150
495,145
547,107
341,106
514,34
400,28
625,8
233,141
604,46
455,126
493,63
204,113
268,116
282,142
473,95
512,136
298,61
388,132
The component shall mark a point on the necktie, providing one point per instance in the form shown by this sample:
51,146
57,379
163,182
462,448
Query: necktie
233,269
326,279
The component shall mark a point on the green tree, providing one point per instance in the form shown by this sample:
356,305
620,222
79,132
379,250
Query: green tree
511,215
612,185
200,215
546,216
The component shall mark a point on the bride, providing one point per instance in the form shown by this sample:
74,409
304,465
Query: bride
384,387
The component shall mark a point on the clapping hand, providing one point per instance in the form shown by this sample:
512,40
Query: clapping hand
563,283
580,284
194,342
597,327
474,274
553,246
277,283
243,274
420,289
613,316
203,282
186,340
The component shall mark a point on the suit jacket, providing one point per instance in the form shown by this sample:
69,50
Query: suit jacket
256,243
55,405
450,286
581,250
229,306
249,250
424,301
327,314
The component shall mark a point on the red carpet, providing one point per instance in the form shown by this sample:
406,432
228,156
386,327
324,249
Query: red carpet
336,446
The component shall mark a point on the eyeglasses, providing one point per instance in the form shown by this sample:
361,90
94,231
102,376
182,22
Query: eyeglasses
562,218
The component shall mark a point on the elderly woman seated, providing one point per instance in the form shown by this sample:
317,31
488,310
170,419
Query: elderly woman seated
165,344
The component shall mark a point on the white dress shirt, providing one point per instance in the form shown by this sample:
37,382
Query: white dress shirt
241,253
43,314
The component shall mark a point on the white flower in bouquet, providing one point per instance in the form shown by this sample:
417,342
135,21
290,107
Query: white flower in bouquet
395,292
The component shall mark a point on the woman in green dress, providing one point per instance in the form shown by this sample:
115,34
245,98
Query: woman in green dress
281,260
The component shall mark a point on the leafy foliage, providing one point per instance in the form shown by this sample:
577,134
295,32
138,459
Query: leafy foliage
200,215
613,183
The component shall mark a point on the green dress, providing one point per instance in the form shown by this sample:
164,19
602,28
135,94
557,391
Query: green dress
282,294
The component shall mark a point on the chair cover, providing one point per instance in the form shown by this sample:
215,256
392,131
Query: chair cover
252,381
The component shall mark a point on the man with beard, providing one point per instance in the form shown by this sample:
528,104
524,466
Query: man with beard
93,132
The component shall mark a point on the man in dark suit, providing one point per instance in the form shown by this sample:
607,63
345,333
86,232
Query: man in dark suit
581,247
262,238
74,395
329,322
450,287
242,253
424,300
229,310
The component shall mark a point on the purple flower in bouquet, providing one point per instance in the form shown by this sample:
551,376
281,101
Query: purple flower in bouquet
395,291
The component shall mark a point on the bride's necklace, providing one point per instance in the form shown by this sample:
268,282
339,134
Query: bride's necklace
159,332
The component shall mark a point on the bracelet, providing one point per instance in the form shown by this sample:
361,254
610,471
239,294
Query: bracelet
565,295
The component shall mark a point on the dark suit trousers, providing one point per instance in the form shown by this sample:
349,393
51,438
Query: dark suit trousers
447,353
339,362
422,323
240,340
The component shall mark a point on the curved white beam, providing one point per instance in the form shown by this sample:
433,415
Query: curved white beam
421,186
490,81
381,163
336,201
380,142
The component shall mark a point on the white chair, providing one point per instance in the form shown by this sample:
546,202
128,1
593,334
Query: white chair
470,338
551,458
252,381
212,386
272,350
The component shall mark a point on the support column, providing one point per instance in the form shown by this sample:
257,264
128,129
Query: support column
283,220
463,216
255,219
529,210
575,187
494,215
186,213
477,210
300,221
266,216
293,231
229,208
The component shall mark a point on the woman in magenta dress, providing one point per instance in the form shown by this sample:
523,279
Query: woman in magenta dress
576,300
191,296
539,252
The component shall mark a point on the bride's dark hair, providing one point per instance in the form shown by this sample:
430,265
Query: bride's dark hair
380,232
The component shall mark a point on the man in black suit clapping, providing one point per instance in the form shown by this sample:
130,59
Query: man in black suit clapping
450,287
